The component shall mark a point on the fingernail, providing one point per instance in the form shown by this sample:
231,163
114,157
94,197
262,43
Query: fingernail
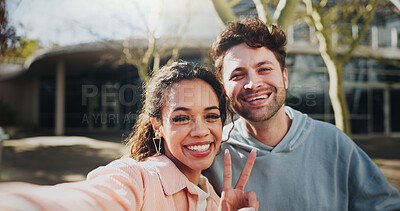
254,150
247,209
226,151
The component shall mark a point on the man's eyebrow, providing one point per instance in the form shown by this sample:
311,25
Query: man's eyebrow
256,65
263,62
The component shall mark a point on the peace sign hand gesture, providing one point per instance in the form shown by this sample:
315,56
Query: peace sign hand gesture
235,199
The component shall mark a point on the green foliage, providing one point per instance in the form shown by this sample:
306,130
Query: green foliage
8,36
23,48
20,51
13,47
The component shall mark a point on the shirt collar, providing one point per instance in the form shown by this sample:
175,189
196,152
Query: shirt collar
202,189
172,179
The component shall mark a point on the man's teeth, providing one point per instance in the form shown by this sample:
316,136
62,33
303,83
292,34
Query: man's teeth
256,98
199,148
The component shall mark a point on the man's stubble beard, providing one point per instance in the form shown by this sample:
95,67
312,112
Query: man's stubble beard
264,112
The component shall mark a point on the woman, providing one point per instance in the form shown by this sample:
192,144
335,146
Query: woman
177,135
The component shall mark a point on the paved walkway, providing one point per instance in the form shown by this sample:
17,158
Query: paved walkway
51,160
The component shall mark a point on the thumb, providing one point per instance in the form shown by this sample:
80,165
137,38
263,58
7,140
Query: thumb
251,198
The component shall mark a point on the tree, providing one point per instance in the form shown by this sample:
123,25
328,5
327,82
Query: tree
8,36
143,57
13,48
333,25
284,13
22,48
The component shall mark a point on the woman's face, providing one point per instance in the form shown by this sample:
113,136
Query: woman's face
191,125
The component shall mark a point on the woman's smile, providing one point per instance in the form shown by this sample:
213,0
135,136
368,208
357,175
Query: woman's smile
200,149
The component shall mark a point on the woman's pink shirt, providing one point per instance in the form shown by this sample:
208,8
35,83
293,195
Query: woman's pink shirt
124,184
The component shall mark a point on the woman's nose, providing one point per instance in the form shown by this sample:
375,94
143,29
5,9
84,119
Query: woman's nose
199,129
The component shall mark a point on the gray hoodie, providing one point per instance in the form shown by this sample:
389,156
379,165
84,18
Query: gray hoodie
315,167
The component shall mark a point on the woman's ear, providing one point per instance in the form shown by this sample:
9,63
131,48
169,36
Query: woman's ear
156,124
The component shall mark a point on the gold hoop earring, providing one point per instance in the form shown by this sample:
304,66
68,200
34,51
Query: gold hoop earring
158,149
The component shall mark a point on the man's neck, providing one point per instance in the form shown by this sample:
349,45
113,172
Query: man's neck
271,131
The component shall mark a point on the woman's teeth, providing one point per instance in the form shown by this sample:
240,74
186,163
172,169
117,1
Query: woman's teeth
199,148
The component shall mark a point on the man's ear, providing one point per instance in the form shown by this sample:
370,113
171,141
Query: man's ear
156,124
285,78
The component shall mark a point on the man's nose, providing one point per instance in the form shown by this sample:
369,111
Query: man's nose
253,82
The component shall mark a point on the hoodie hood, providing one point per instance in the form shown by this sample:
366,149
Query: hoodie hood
293,138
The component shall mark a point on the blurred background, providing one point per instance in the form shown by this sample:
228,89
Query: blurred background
71,72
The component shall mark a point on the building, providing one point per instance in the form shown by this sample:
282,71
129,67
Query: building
82,88
75,90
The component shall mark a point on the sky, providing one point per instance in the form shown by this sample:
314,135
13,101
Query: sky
69,22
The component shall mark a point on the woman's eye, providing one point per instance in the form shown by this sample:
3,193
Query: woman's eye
212,117
181,119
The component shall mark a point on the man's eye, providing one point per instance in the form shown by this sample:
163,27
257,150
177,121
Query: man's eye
236,76
212,117
181,119
265,69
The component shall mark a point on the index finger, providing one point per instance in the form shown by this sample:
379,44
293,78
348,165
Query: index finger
245,174
227,171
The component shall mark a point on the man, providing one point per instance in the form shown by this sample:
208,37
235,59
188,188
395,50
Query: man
302,164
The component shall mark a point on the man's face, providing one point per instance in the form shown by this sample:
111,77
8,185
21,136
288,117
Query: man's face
254,82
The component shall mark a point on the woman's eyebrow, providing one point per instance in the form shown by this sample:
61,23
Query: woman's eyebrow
211,108
181,109
187,109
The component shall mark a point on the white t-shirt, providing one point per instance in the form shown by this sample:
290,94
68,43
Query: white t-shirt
204,192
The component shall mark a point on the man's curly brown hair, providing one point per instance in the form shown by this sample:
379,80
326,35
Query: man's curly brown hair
255,33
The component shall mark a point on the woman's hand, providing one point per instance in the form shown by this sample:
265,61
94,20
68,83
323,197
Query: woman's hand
235,199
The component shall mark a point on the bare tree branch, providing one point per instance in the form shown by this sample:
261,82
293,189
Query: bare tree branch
366,25
224,11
